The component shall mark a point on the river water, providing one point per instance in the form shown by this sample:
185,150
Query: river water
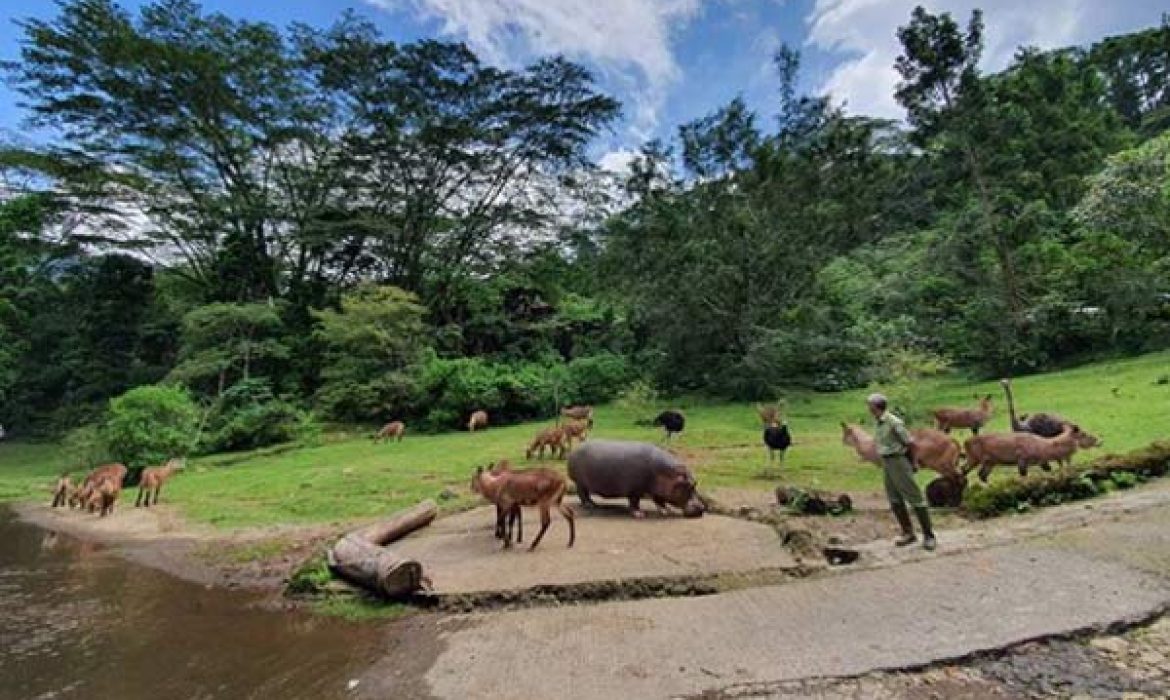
76,620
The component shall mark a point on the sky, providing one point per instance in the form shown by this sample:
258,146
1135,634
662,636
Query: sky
671,61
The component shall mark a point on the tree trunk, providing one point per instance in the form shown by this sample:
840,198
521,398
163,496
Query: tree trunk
361,558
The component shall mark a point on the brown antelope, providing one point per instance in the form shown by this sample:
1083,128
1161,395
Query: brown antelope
970,418
82,496
490,490
540,487
62,490
479,419
552,438
152,480
933,449
582,413
103,495
1024,450
577,430
391,431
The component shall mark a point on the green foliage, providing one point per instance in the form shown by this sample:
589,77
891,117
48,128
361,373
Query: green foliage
595,379
374,348
248,416
311,577
225,343
150,424
1120,471
84,447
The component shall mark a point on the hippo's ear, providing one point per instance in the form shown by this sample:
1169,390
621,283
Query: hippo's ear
844,426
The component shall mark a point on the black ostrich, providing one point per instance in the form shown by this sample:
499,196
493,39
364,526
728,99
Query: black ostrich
672,421
777,439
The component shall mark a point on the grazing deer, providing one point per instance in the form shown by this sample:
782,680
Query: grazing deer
540,487
1024,450
153,479
970,418
62,490
479,419
552,438
391,431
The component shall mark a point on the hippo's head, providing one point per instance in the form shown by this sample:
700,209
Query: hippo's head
677,487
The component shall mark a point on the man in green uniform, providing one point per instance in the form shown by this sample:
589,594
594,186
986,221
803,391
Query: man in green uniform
895,447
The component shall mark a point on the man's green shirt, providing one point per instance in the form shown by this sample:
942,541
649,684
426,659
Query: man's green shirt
891,436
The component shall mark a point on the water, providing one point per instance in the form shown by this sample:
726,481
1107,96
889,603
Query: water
78,621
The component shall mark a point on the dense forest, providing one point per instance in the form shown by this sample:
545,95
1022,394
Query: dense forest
253,229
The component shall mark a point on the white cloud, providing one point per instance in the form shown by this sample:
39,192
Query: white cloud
864,30
617,161
614,35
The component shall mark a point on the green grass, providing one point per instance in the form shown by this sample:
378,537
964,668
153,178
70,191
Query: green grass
349,477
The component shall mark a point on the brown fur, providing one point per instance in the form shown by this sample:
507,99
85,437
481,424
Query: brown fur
479,419
575,431
62,490
933,449
552,438
540,487
971,418
83,495
104,495
1023,450
490,490
391,431
769,415
584,413
152,480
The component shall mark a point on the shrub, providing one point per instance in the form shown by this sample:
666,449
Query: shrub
84,447
596,379
150,424
248,416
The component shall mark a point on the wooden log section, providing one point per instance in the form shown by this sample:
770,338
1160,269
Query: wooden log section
362,558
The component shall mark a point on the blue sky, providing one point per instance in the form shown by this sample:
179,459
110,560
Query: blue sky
670,61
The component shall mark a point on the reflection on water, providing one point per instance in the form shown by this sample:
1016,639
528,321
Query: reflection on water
78,621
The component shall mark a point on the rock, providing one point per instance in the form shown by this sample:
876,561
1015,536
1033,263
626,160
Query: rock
447,494
1111,645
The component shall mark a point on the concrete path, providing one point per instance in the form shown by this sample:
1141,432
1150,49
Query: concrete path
910,614
462,556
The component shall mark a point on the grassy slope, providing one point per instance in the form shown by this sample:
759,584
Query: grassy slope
352,478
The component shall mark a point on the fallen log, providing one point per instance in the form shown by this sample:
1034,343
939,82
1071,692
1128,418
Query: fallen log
362,558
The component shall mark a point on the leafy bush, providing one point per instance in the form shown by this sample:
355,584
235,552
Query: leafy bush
84,447
150,424
596,379
639,397
248,416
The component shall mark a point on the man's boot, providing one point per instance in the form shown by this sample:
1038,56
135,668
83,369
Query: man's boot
903,515
928,541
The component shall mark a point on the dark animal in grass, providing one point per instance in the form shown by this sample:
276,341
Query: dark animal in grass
672,422
777,438
946,492
633,470
540,487
1048,425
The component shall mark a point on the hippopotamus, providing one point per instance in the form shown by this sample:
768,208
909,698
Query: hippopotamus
621,469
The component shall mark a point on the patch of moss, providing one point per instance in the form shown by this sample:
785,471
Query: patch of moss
358,608
311,578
